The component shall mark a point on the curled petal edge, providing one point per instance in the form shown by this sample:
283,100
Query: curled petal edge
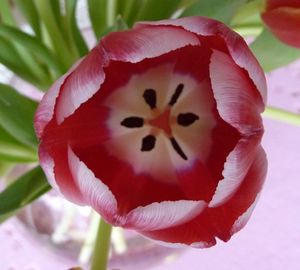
81,84
243,219
150,217
47,164
157,216
236,168
146,42
45,109
237,47
94,191
234,95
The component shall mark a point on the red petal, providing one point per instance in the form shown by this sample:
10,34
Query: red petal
197,183
146,42
237,101
231,216
59,175
130,189
243,219
150,217
81,84
222,221
45,109
196,233
284,22
94,191
236,167
272,4
236,45
84,128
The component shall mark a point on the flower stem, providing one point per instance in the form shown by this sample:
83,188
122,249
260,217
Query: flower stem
102,246
282,115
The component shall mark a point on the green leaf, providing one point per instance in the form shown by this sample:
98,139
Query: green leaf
16,115
131,9
23,191
222,10
10,57
272,53
29,11
98,15
5,168
33,45
157,10
49,12
121,7
12,150
75,34
6,15
55,9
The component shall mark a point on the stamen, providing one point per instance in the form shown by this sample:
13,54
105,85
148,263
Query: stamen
133,122
177,148
148,143
176,95
150,98
186,119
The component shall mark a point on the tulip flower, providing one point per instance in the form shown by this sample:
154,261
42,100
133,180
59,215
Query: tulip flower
158,129
282,17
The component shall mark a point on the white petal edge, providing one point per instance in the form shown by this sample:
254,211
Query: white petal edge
236,167
47,164
166,214
93,190
244,218
81,84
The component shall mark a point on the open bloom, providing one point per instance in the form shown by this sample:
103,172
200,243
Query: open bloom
283,18
158,129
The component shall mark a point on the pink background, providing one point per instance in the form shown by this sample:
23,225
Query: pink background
271,239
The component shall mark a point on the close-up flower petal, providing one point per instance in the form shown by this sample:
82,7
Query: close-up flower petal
146,42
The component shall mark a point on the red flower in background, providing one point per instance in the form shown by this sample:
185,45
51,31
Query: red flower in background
159,130
283,18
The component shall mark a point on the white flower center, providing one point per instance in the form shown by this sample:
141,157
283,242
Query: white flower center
160,122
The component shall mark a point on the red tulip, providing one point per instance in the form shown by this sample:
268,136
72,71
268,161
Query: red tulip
158,129
282,17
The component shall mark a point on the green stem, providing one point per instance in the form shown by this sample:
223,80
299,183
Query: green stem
89,239
102,246
282,115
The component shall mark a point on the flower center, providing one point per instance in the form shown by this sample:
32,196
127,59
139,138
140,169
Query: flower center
160,122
